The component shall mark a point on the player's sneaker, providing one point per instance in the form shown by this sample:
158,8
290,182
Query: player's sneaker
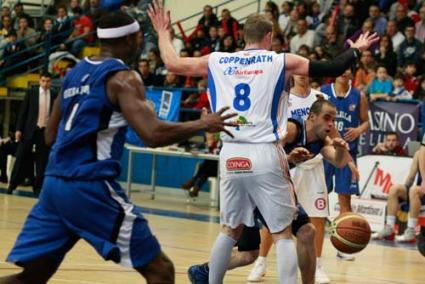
386,233
258,271
345,256
408,236
198,274
321,277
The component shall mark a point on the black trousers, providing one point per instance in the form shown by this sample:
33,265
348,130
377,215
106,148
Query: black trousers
8,148
24,161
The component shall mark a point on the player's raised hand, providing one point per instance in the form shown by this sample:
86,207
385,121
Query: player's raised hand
298,155
161,20
339,142
215,122
364,41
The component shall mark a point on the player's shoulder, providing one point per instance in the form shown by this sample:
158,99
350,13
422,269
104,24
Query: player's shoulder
319,94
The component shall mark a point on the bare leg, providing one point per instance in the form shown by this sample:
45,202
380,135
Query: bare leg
415,196
159,271
266,242
344,203
397,191
319,224
36,272
306,253
242,258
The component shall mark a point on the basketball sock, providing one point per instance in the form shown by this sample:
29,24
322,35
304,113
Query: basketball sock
220,258
412,222
286,261
318,261
390,221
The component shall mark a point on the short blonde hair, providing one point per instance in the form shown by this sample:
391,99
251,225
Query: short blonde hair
256,27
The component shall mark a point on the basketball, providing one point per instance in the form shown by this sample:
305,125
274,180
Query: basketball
350,233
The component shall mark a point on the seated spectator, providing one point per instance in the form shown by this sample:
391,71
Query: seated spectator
315,17
410,49
229,24
292,26
347,23
391,146
93,10
303,36
145,45
331,44
13,55
6,22
365,74
177,43
228,44
284,16
386,56
366,27
5,11
410,79
198,100
156,65
399,91
396,36
272,7
73,4
277,45
381,87
304,51
268,13
62,26
419,93
171,80
19,13
402,19
379,21
200,40
148,78
240,43
214,39
26,32
82,34
420,25
208,20
408,191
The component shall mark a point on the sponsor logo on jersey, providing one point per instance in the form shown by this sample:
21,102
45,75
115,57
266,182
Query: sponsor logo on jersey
302,112
238,164
82,90
242,121
320,203
230,70
233,71
352,107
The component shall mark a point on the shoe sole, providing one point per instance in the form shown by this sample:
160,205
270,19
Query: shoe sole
259,280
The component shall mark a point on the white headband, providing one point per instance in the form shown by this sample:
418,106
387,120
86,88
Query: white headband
118,32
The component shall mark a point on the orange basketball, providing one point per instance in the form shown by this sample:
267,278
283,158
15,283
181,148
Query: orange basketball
350,232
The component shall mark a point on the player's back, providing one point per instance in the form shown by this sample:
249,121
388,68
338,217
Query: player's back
92,131
252,83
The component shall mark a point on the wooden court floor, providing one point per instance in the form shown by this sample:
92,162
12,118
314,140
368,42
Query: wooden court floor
187,242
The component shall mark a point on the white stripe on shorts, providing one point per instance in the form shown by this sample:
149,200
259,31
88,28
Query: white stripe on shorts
126,229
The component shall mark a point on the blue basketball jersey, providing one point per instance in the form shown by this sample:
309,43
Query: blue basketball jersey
92,131
348,111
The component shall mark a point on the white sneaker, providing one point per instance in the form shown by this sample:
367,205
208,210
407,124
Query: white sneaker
386,233
408,236
345,256
258,271
321,277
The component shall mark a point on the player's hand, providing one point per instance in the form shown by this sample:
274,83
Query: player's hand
298,155
161,20
355,174
215,122
352,134
364,41
339,142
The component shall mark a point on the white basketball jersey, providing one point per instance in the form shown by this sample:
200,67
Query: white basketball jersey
252,84
299,107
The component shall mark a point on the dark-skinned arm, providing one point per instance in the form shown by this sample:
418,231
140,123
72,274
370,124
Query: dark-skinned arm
53,122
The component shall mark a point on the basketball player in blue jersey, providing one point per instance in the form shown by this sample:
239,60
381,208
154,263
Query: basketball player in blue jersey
81,198
352,120
304,140
253,167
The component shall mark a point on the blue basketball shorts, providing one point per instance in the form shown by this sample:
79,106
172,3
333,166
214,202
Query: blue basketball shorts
96,211
343,181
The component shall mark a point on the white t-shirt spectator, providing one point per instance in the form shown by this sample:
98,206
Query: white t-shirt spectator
298,40
397,39
178,45
283,21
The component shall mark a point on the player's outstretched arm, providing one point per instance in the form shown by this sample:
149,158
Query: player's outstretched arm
336,152
297,65
125,89
189,66
53,122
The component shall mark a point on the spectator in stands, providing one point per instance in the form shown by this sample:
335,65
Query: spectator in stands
73,4
379,21
272,7
145,45
214,39
396,36
381,87
331,44
303,36
411,49
365,73
208,20
171,80
198,100
6,22
45,35
402,20
240,43
367,26
420,26
386,56
273,17
148,78
391,146
399,91
292,26
410,191
82,34
156,65
19,12
32,121
199,40
26,32
304,51
230,25
63,26
347,23
5,11
419,93
13,55
228,44
93,10
315,17
277,45
177,42
410,79
284,16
